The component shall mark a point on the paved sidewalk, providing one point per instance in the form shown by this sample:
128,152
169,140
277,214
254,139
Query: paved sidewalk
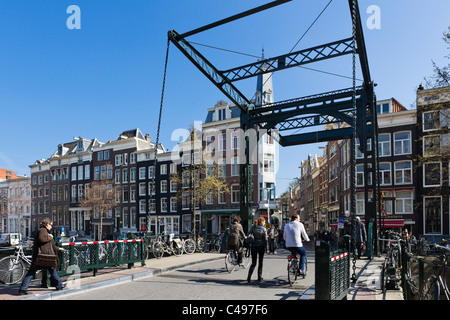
368,283
367,286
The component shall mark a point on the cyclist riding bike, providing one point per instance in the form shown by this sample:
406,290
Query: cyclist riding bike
236,237
293,232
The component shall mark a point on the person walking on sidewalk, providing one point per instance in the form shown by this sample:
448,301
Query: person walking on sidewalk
258,247
360,236
293,232
236,237
43,241
273,235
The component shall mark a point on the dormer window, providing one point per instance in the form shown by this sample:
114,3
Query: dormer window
222,114
80,145
60,150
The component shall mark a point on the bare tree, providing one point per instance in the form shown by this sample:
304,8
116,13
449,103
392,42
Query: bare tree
99,197
441,75
202,179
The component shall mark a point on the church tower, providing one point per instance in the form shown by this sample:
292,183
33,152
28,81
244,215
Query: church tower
264,89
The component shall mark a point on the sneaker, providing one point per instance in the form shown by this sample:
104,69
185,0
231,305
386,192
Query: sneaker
60,288
23,292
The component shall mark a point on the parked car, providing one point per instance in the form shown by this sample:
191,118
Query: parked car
9,239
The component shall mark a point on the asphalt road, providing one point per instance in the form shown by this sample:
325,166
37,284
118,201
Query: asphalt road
211,281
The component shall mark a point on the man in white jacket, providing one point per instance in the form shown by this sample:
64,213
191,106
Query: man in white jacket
293,233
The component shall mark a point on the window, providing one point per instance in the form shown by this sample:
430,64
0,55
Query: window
403,172
431,145
235,193
80,172
74,174
269,162
221,114
360,175
125,175
235,140
142,172
222,142
133,158
385,173
234,167
359,154
436,119
387,204
210,143
152,205
222,168
173,204
133,175
403,202
163,204
221,197
432,174
209,197
173,168
109,172
118,160
163,169
133,193
117,179
185,200
163,186
151,171
96,173
87,172
173,186
142,189
125,193
432,215
383,108
106,155
142,206
402,143
384,145
100,156
360,203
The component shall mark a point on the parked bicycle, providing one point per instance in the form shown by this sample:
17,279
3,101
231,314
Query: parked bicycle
171,246
231,259
391,272
189,245
293,268
14,267
436,285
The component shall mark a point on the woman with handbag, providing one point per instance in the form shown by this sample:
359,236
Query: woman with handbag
44,257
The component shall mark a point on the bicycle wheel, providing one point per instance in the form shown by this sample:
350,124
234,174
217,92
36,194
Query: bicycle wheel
430,289
12,270
292,271
201,245
229,262
217,245
189,246
177,249
158,249
246,257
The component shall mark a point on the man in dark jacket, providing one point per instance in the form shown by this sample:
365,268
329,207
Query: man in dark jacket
43,241
235,237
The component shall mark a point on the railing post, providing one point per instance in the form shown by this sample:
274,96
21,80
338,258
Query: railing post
322,272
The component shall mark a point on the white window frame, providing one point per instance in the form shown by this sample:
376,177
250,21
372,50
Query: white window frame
425,175
402,143
383,145
403,173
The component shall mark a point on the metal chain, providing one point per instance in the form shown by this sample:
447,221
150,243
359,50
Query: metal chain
157,134
354,278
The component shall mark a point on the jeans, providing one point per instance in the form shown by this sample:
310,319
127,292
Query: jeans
302,252
257,255
54,278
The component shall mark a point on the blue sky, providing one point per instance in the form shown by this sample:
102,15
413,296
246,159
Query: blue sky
102,79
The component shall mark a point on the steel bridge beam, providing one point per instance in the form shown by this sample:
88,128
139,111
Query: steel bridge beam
294,59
